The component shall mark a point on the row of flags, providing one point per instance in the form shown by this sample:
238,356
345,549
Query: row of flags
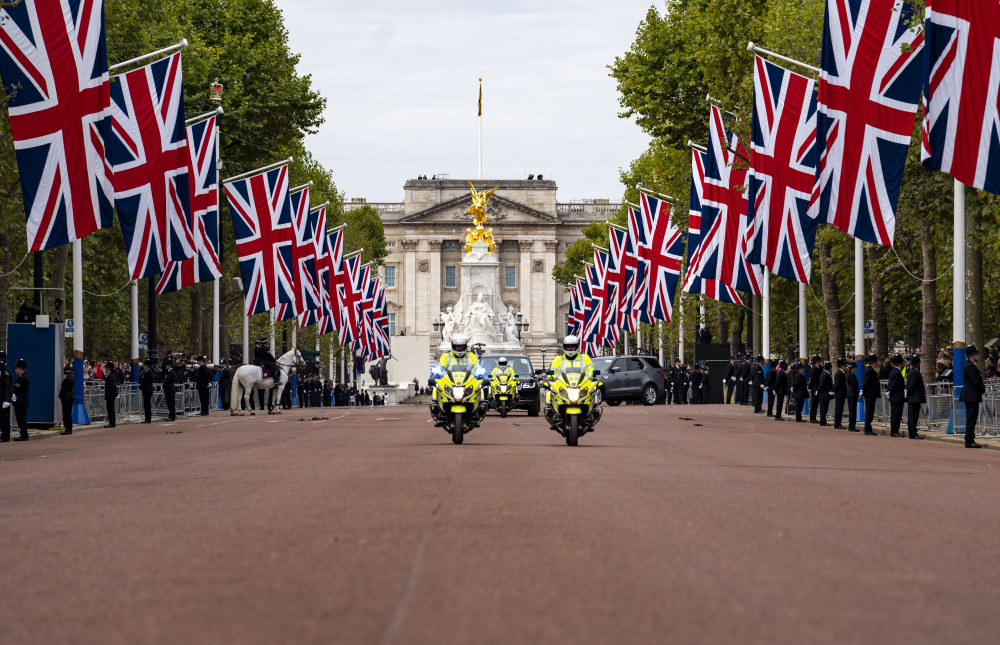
89,144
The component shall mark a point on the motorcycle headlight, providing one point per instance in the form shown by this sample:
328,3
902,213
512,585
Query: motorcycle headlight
503,388
458,393
573,394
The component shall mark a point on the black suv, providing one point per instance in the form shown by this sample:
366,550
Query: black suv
529,399
630,378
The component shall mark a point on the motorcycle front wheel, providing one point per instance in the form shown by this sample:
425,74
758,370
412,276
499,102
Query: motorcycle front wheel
573,430
457,430
503,409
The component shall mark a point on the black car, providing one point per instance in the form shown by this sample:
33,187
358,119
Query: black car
630,378
529,398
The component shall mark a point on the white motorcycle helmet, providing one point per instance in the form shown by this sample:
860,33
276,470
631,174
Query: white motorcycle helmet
502,362
571,346
459,345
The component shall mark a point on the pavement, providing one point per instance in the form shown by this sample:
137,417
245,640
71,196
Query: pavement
701,524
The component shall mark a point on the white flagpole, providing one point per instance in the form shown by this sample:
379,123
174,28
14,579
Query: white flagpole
765,337
272,314
680,335
250,173
134,311
80,416
138,59
958,293
216,355
803,341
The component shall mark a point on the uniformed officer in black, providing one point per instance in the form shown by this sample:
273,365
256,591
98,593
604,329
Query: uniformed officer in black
747,379
853,390
680,383
169,390
839,393
21,398
915,397
225,385
815,369
972,395
800,389
757,385
780,388
730,378
769,380
696,378
6,389
146,388
110,393
824,390
871,389
66,399
202,381
896,392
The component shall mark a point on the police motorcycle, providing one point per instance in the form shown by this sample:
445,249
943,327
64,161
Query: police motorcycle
570,404
504,388
459,400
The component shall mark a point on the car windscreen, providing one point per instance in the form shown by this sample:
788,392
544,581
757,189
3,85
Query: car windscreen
603,364
521,364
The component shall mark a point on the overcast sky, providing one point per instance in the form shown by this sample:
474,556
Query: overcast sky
400,79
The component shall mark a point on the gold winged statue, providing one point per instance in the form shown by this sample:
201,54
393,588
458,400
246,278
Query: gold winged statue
478,212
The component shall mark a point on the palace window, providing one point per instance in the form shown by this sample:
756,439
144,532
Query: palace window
450,281
390,245
510,277
451,244
509,245
392,324
390,276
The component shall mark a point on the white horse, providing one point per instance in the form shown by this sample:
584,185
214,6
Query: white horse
248,377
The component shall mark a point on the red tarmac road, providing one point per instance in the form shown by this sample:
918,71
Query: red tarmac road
371,527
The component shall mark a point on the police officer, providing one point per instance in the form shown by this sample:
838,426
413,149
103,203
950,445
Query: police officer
915,396
896,393
815,370
146,388
110,393
757,385
871,389
770,379
681,383
780,389
6,389
66,399
853,390
730,378
738,370
824,390
169,388
839,393
972,395
800,390
225,384
21,399
202,381
696,380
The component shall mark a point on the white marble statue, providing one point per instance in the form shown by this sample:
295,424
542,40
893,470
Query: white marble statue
479,319
448,318
509,321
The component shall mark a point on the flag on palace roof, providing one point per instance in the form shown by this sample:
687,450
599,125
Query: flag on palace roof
203,142
869,87
782,170
56,55
262,224
693,283
961,127
148,154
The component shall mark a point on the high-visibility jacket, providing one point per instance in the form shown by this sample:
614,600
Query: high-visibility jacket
502,370
581,362
449,360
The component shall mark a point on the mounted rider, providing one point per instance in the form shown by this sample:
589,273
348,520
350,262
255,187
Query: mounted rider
262,357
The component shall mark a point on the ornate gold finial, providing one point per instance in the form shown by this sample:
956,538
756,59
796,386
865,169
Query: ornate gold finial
478,212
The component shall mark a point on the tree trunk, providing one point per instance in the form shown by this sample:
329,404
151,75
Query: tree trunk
831,302
722,327
194,333
974,287
223,326
928,336
60,258
881,323
736,341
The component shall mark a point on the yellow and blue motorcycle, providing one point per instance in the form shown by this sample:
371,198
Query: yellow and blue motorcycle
459,404
570,405
504,393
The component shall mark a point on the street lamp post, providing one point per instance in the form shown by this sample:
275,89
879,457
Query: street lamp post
438,326
521,324
543,357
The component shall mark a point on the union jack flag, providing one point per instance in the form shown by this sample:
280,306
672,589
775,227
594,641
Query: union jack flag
662,256
727,230
574,321
868,92
347,300
783,170
693,283
308,237
605,292
635,271
367,289
149,157
203,146
262,225
380,319
329,273
593,315
54,61
961,127
617,280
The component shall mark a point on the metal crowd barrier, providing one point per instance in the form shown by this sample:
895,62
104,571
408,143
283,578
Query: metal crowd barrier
129,402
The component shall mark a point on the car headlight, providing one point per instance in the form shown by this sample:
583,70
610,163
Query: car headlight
458,393
573,394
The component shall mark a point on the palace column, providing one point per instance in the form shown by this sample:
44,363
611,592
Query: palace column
435,282
423,293
550,287
524,287
409,283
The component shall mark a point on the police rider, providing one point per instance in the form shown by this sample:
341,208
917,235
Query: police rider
502,369
573,358
459,354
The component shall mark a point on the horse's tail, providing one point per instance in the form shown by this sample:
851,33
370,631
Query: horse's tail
235,400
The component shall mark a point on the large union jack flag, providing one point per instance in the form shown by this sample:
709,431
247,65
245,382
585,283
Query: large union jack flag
54,62
308,239
961,128
149,156
609,331
693,283
329,274
869,87
593,315
782,170
203,146
347,300
636,309
726,228
662,256
574,322
366,288
617,279
262,225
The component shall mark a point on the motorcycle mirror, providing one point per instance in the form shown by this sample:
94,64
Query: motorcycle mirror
549,372
597,372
